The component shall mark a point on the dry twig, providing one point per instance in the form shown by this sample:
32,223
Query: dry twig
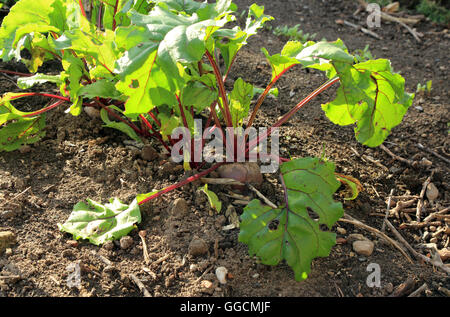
401,21
387,210
422,194
423,148
404,288
141,285
436,214
360,28
358,223
396,157
417,292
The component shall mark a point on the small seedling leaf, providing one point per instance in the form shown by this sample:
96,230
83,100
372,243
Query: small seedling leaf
214,201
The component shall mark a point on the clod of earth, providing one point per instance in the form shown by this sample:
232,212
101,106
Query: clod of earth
179,208
7,239
198,247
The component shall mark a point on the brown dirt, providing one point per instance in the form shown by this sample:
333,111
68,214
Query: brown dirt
78,159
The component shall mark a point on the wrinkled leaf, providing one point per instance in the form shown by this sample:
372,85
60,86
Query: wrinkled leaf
28,82
100,223
102,88
290,232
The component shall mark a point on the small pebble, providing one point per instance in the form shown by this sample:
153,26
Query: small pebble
389,288
432,192
126,242
341,230
8,252
179,207
72,243
363,247
221,273
193,267
356,237
256,275
207,286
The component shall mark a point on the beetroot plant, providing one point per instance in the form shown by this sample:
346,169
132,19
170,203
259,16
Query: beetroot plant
150,67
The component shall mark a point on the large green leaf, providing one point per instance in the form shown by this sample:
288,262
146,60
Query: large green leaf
198,95
30,17
144,80
289,232
100,223
373,97
98,48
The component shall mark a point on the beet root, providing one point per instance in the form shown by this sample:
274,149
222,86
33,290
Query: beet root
242,172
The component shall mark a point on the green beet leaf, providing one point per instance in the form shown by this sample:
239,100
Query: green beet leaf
100,223
289,232
240,99
102,88
30,17
15,129
373,97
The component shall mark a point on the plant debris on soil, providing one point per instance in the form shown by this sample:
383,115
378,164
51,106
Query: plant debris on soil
181,241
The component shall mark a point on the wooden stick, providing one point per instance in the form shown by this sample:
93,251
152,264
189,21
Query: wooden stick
267,201
16,196
417,292
401,239
142,235
444,291
161,259
140,285
387,210
360,28
423,148
422,194
418,225
396,157
435,214
402,205
377,232
366,158
404,288
401,21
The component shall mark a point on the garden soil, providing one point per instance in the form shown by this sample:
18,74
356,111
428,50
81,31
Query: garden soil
78,159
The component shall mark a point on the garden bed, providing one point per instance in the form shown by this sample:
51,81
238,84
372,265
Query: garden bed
77,159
